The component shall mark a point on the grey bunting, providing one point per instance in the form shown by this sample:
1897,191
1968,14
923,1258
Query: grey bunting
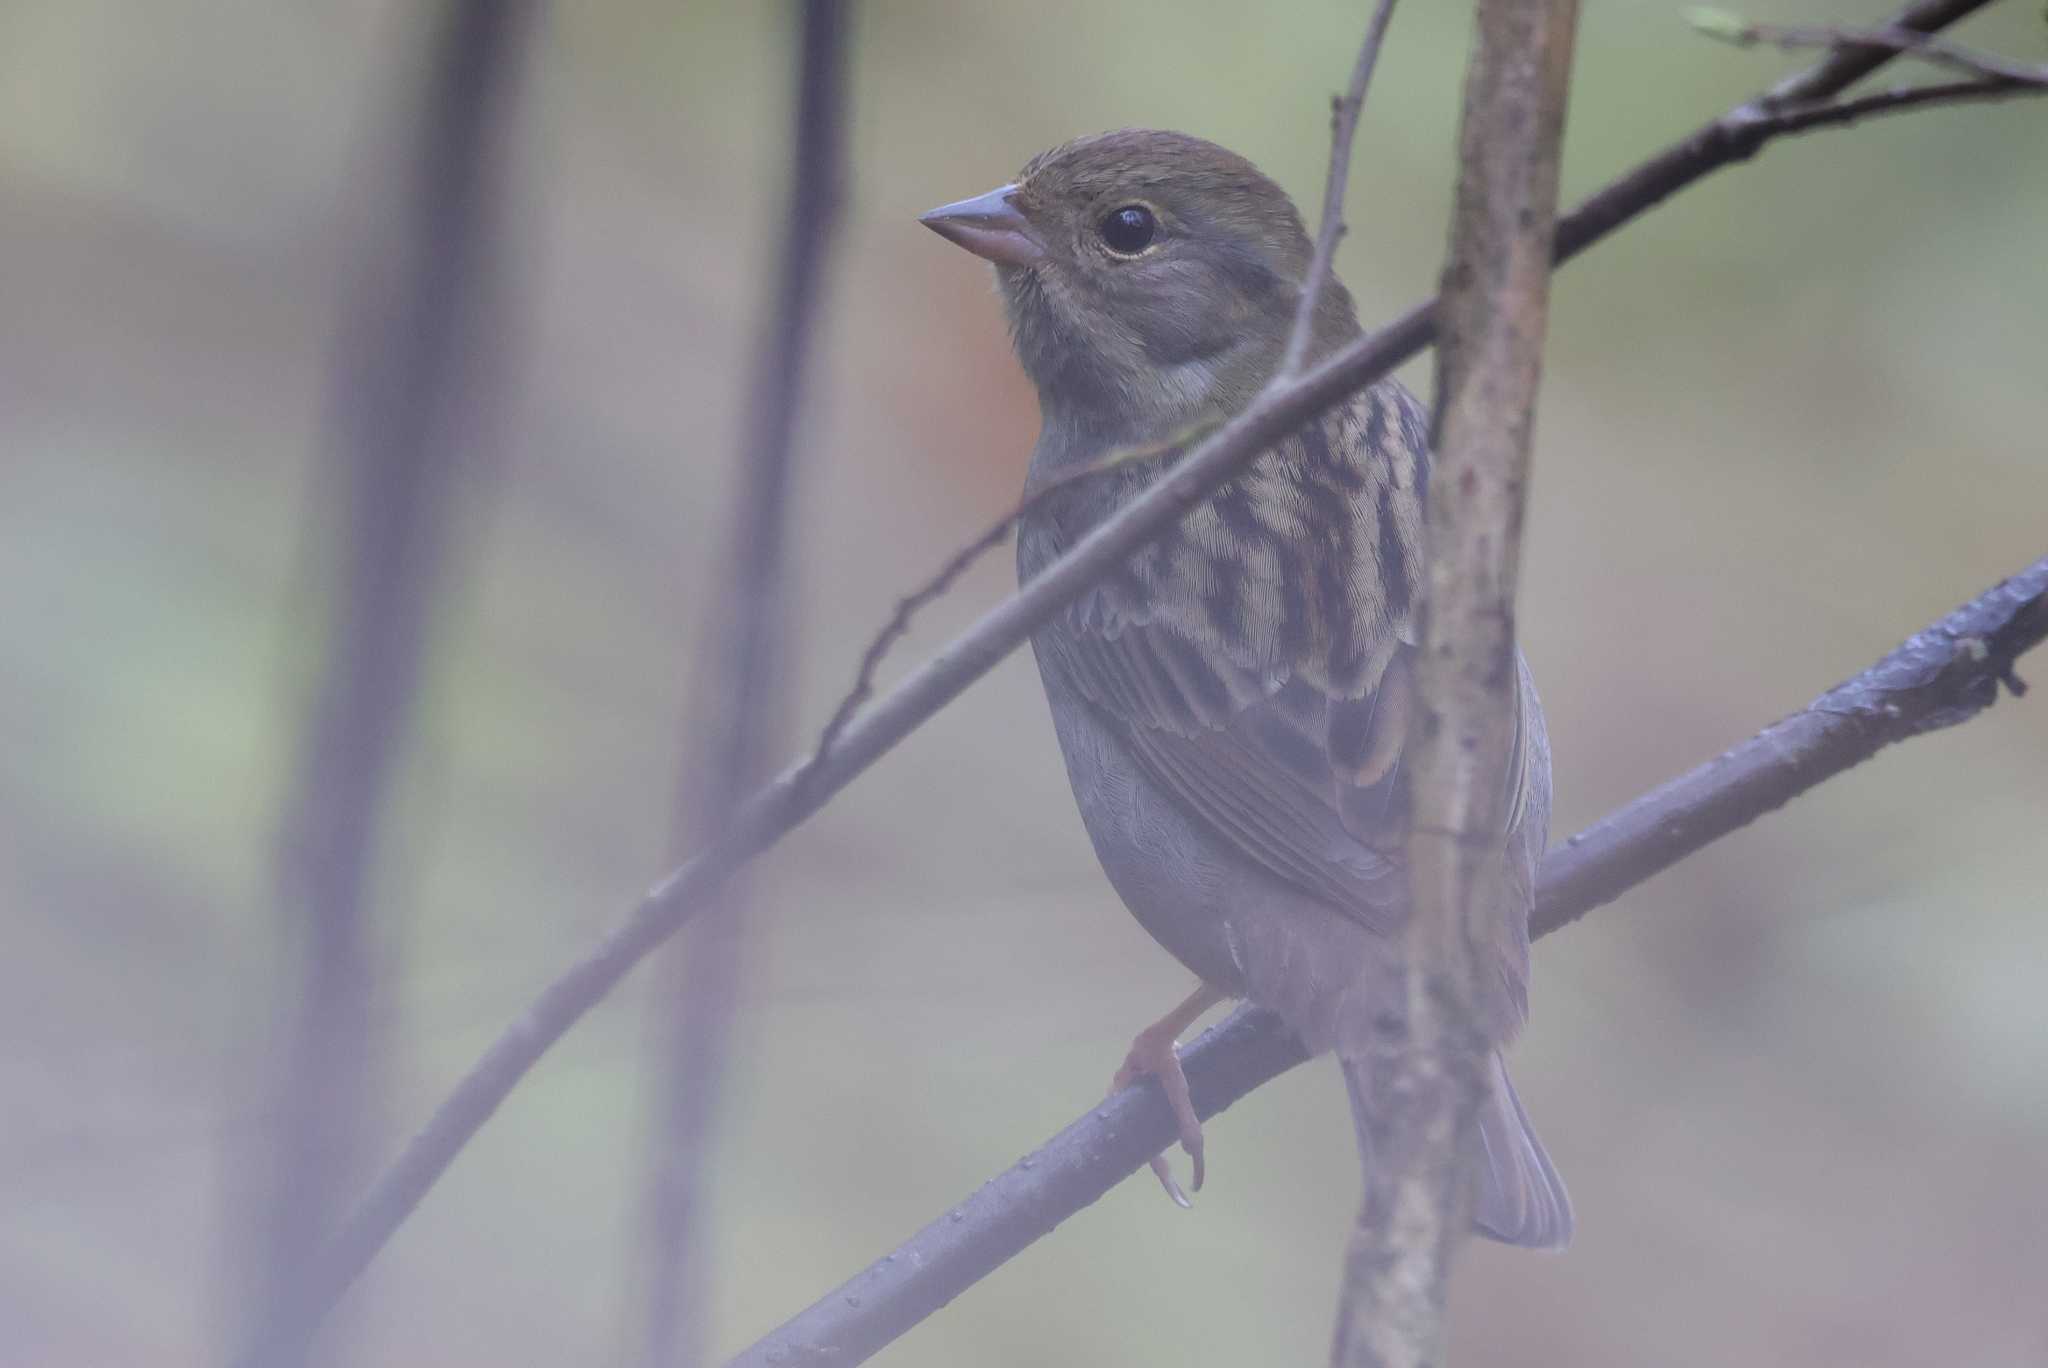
1232,703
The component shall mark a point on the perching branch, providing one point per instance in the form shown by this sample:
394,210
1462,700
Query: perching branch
738,707
803,790
1944,676
1428,1074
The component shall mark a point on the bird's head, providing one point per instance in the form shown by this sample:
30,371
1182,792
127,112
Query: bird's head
1148,275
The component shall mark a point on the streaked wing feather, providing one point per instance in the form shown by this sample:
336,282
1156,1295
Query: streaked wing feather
1253,660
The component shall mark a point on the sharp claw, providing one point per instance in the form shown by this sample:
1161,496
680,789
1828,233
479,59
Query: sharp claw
1176,1084
1154,1052
1173,1189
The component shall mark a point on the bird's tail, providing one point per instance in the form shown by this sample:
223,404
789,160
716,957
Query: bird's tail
1520,1198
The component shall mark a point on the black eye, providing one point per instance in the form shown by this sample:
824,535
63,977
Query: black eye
1129,230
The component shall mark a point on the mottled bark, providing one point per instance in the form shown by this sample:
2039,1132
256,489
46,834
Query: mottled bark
1430,1065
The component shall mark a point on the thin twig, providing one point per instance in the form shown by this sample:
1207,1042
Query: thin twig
738,710
1797,104
1841,113
1944,676
1939,51
803,790
1844,67
393,441
1344,112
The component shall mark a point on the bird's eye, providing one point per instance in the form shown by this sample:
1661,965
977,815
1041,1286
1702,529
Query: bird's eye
1129,230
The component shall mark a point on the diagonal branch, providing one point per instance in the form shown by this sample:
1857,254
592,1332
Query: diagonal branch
957,564
803,790
1944,676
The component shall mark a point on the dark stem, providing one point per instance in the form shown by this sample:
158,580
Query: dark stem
391,447
1344,112
738,707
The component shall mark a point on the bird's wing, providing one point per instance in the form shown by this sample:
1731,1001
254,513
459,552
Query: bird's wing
1254,660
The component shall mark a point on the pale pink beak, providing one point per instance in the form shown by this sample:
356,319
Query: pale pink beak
988,226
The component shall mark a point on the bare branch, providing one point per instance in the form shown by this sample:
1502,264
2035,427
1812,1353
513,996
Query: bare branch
1931,48
739,704
801,791
1344,111
1944,676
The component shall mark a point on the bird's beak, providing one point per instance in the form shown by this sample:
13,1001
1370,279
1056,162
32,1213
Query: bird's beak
988,226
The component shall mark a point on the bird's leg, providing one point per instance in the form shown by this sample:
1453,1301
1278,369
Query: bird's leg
1152,1052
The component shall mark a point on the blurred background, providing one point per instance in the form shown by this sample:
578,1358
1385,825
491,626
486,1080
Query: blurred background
1798,1086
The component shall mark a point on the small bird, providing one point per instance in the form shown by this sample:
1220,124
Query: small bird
1232,703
